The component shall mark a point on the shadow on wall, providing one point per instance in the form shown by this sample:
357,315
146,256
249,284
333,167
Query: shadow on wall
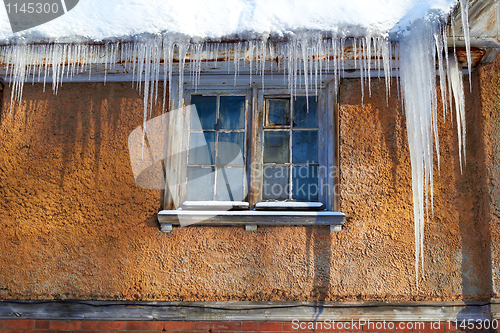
69,205
478,264
318,256
70,150
473,212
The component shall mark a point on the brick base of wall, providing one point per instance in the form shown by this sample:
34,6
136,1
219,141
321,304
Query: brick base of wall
91,326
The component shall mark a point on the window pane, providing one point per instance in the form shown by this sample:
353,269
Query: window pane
201,148
232,112
301,117
230,149
206,106
200,184
230,184
305,147
276,147
305,182
276,182
278,112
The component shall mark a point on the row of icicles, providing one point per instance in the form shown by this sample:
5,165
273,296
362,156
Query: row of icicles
303,63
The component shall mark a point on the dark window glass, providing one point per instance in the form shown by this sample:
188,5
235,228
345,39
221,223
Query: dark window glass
201,148
276,147
230,148
230,184
200,184
232,112
303,118
305,147
278,112
206,107
276,182
305,182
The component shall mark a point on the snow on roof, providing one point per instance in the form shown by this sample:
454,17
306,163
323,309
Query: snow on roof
98,20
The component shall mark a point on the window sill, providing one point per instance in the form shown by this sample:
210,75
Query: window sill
250,219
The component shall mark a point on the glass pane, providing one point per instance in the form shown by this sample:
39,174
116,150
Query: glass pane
276,182
276,147
230,149
305,182
278,112
206,106
232,112
200,184
305,147
201,148
303,118
230,184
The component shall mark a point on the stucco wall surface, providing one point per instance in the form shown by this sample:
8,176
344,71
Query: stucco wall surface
75,226
489,92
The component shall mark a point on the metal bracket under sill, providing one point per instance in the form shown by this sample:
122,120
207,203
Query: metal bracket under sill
250,219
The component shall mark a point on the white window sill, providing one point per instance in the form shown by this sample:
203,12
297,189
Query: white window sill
250,218
288,205
215,205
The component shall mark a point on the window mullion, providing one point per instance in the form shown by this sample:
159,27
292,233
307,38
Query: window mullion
256,152
216,143
290,149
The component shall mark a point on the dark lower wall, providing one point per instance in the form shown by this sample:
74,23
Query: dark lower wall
75,226
88,326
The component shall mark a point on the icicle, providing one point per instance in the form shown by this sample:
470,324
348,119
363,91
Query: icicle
361,70
216,54
316,65
169,48
166,62
290,70
250,57
182,61
376,47
417,70
263,55
226,51
386,62
303,46
90,54
355,52
368,54
335,62
398,68
455,78
236,61
105,63
198,68
143,59
464,6
442,78
321,54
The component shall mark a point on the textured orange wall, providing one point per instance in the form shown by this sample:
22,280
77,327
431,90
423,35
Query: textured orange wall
75,226
489,92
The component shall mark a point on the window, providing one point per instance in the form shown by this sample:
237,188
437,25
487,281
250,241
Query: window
290,149
216,155
255,156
